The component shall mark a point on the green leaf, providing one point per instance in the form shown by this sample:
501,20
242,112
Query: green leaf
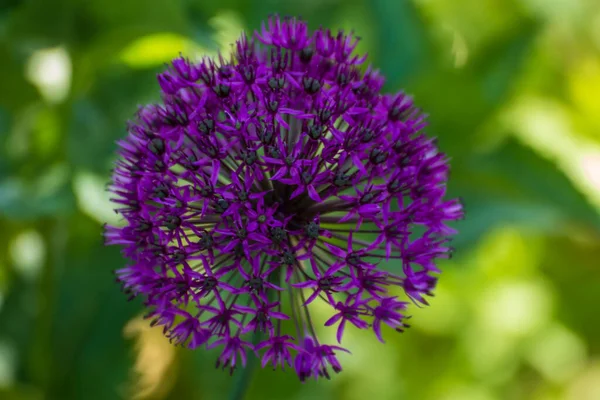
100,119
404,45
89,352
48,194
516,185
16,91
45,23
460,102
573,266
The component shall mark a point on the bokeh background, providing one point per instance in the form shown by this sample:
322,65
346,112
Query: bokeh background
512,89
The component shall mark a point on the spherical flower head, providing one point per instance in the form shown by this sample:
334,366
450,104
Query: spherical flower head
274,180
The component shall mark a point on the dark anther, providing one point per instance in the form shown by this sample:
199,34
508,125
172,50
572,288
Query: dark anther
221,206
272,83
361,89
279,64
342,79
249,157
353,259
175,115
206,191
242,195
182,287
211,151
157,146
315,131
324,115
182,117
341,179
225,72
255,284
172,222
288,258
307,177
277,83
242,234
169,116
273,106
366,135
249,74
143,226
239,251
312,230
161,191
262,316
178,255
400,146
326,65
289,160
190,160
206,125
157,250
311,85
397,112
325,284
394,114
206,77
277,234
274,152
377,156
222,90
159,165
306,54
262,218
205,241
210,282
395,186
265,135
367,198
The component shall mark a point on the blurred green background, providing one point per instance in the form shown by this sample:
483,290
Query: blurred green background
512,90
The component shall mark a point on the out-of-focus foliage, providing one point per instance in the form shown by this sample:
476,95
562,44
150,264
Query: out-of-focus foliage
511,88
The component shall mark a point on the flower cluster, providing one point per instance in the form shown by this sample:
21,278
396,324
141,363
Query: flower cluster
271,180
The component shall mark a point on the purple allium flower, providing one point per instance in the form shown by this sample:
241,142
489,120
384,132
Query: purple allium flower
271,180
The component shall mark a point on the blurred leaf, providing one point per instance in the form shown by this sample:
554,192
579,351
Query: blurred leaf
403,48
100,119
516,185
153,50
45,23
93,198
460,101
20,392
17,318
16,91
88,347
95,31
5,118
41,23
573,265
48,194
500,62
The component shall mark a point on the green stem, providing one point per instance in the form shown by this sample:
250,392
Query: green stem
244,377
242,383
